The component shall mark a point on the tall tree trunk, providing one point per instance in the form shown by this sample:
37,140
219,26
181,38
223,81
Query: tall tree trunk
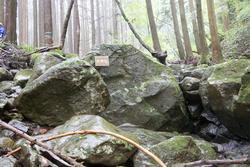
195,26
177,31
216,49
41,11
99,34
154,34
203,42
188,49
114,21
48,29
76,28
92,22
35,22
2,11
10,20
23,21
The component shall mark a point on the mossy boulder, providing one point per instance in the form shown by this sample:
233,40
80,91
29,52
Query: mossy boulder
22,77
228,94
143,91
177,150
236,43
148,138
43,62
5,74
70,88
93,148
6,86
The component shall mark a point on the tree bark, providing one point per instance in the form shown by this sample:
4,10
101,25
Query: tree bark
66,24
216,49
195,26
137,36
76,28
35,23
160,56
203,42
188,49
154,33
114,22
10,20
92,22
99,19
177,30
2,11
48,29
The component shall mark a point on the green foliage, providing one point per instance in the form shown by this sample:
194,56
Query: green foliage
27,48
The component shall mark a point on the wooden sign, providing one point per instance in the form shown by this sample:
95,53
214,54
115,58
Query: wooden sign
101,61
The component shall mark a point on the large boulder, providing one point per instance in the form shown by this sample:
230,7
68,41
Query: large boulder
143,91
227,94
43,62
66,89
93,149
177,150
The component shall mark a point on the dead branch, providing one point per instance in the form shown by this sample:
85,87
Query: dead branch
63,35
245,160
65,159
13,152
84,132
132,28
66,23
160,56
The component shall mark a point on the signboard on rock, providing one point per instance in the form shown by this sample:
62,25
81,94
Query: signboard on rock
101,61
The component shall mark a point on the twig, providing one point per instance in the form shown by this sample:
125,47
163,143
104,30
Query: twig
13,152
84,132
245,160
34,141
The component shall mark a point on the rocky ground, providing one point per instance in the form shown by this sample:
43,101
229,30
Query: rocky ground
182,113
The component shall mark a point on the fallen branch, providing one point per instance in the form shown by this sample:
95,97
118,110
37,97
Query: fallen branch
67,160
13,152
84,132
245,160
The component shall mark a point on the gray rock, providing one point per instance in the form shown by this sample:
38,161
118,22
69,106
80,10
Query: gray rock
92,149
226,92
70,88
6,86
148,138
22,77
5,75
7,161
176,150
143,92
43,62
190,83
3,100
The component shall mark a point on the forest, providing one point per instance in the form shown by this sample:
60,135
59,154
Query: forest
124,83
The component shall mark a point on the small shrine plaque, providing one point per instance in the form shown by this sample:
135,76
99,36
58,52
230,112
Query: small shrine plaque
101,61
